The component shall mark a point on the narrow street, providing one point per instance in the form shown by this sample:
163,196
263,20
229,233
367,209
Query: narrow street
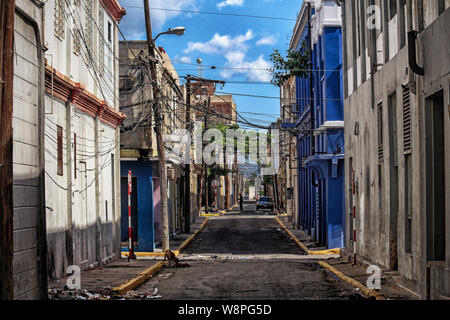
246,256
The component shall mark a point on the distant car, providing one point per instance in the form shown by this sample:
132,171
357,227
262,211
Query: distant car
264,203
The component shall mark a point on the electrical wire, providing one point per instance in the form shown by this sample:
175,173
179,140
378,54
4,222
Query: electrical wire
214,13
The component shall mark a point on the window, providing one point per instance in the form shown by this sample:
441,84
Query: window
392,8
109,31
406,120
75,155
408,203
76,42
380,131
441,6
435,176
101,42
393,132
88,33
59,150
402,22
59,23
76,34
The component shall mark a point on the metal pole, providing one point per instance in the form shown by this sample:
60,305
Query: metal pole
158,129
130,230
187,167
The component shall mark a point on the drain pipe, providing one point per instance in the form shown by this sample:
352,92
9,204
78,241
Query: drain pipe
412,38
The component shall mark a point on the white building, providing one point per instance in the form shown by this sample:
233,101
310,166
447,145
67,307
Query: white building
82,186
397,75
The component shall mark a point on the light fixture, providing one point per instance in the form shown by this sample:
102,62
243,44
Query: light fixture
179,31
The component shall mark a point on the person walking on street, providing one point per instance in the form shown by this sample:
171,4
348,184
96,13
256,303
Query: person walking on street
241,201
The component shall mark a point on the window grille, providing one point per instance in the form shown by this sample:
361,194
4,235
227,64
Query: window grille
76,33
88,33
60,169
75,155
380,132
59,23
76,42
406,120
101,44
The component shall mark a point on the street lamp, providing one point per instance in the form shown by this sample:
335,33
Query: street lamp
179,31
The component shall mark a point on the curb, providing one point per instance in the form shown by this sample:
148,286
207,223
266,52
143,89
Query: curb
364,290
140,279
148,273
144,254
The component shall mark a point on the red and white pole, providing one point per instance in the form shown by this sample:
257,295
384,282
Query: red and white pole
130,234
354,215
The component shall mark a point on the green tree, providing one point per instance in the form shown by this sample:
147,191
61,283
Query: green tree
295,64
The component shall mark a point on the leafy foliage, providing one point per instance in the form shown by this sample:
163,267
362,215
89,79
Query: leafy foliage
296,64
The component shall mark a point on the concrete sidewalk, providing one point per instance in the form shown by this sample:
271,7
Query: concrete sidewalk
98,283
390,286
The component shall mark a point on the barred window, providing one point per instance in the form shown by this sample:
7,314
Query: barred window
101,40
59,150
76,33
88,33
380,132
58,22
407,145
76,42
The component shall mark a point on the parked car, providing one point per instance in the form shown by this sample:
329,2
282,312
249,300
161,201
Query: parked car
264,203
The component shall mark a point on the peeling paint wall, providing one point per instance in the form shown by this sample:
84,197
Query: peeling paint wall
376,231
27,105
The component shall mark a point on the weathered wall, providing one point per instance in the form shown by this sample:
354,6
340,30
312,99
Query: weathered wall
374,202
27,106
83,204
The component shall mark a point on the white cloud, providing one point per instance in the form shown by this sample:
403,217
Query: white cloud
185,59
220,44
231,3
234,49
254,70
266,41
133,23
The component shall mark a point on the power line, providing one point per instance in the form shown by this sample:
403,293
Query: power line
277,98
250,69
214,13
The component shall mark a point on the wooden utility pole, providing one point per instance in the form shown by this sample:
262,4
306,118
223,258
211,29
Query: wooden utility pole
204,172
187,174
158,128
187,166
7,9
205,167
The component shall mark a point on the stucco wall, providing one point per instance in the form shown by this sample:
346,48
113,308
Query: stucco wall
27,105
373,199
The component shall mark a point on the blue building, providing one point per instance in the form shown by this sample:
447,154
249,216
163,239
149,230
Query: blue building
142,206
321,179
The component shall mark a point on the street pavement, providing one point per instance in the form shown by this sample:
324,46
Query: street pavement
244,256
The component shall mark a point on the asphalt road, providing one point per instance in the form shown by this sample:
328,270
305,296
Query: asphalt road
245,256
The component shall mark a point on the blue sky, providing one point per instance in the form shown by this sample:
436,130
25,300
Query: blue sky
222,41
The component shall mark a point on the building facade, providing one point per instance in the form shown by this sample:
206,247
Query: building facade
288,150
396,83
139,147
82,119
319,124
29,260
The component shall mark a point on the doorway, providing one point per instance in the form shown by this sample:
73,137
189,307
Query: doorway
393,180
435,176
